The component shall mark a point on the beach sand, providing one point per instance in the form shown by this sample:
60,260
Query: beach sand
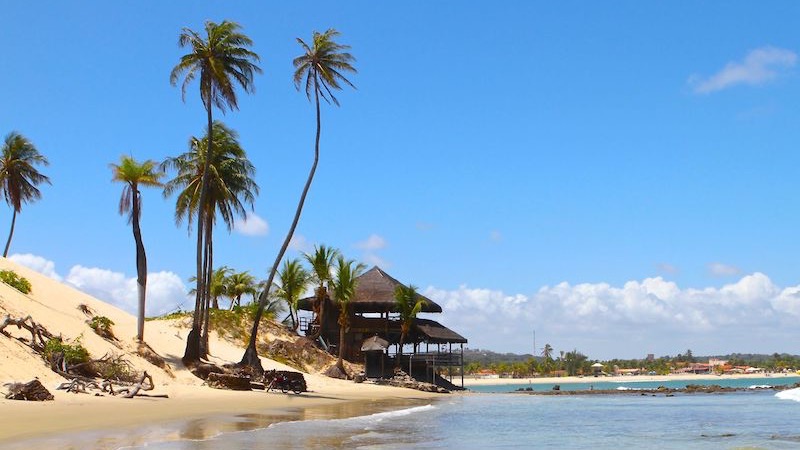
192,411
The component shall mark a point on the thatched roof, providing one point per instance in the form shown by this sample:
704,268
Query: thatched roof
436,333
375,293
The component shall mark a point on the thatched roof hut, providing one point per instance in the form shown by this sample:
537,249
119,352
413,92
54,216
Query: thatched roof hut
375,294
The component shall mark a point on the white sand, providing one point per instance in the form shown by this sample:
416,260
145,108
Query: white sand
55,306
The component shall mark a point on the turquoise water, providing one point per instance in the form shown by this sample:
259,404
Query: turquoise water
751,419
631,382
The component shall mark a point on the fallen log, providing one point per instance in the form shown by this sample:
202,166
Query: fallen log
226,381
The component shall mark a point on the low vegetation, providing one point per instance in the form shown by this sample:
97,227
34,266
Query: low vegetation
102,326
19,283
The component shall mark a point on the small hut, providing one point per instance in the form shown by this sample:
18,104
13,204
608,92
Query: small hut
374,350
597,369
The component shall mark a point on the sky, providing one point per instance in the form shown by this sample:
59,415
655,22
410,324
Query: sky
619,179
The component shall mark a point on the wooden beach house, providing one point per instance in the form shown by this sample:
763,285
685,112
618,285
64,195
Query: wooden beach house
374,313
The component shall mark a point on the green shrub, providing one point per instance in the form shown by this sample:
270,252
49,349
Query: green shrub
102,326
73,353
19,283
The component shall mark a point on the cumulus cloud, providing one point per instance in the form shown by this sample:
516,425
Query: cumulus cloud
639,317
758,67
165,290
37,263
723,270
252,225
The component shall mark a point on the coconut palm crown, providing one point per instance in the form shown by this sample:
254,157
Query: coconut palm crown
19,177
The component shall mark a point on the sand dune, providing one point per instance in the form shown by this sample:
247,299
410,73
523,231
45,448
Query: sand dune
56,306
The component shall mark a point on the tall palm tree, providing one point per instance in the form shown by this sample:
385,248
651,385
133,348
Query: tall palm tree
321,262
293,280
409,303
222,59
240,283
18,175
344,289
230,188
323,65
134,174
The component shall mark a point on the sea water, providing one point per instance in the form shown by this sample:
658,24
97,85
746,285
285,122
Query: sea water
739,420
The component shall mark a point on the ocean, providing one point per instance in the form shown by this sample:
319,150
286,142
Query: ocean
751,419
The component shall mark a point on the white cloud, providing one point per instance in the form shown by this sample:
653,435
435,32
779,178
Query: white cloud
640,317
300,243
165,290
37,263
758,67
252,225
373,242
723,270
370,246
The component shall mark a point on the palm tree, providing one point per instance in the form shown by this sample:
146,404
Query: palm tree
221,59
135,174
293,280
547,355
231,187
323,65
321,262
410,304
18,175
240,283
344,289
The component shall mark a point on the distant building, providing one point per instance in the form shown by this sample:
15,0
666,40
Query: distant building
651,357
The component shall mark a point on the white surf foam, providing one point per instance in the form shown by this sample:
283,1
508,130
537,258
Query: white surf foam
789,394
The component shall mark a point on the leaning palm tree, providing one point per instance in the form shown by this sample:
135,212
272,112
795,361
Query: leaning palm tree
344,289
240,283
134,174
222,59
409,303
323,65
18,175
293,279
231,187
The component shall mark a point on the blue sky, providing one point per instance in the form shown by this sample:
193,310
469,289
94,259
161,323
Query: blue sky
641,156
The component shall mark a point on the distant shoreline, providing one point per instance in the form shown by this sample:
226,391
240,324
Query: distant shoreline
615,379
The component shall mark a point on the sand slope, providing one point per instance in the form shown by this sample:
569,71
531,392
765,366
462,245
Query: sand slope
56,306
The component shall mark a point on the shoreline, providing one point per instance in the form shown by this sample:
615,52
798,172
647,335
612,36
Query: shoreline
617,379
84,421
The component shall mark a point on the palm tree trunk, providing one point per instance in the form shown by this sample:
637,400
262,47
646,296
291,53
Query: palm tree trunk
250,357
141,264
192,353
10,233
208,263
342,331
399,361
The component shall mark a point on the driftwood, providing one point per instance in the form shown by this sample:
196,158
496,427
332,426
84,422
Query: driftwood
32,390
228,381
38,332
140,386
